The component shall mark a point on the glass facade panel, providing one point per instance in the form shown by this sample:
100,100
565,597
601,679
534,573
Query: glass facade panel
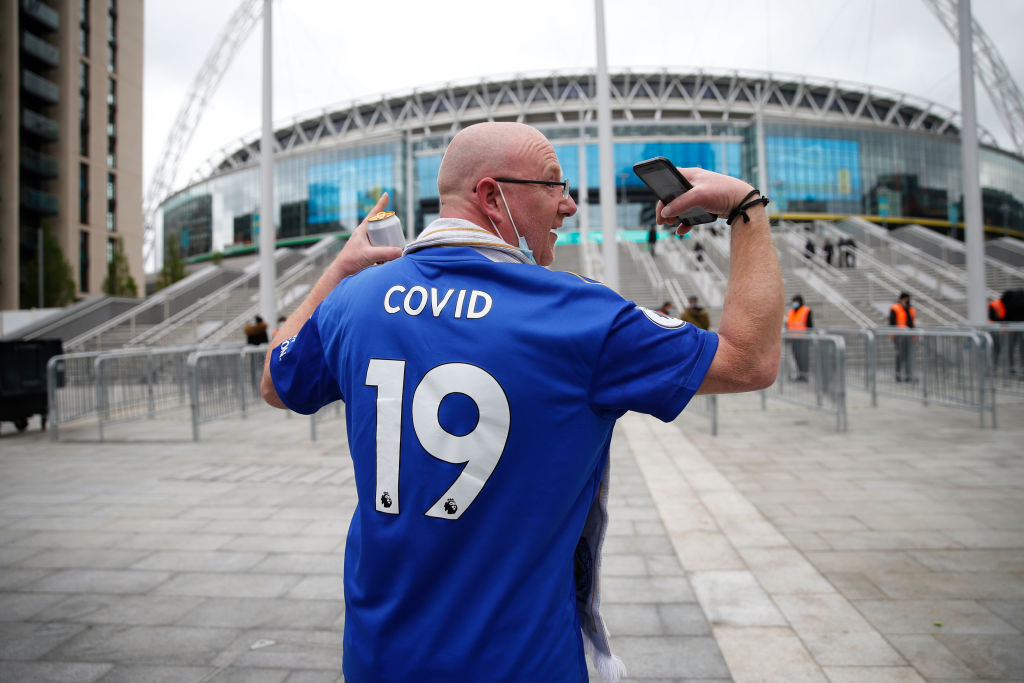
814,174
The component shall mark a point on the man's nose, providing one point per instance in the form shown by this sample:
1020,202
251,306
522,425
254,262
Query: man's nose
571,206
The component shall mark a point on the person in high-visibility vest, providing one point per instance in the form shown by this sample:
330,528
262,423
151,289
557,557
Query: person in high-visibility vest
996,315
799,319
903,315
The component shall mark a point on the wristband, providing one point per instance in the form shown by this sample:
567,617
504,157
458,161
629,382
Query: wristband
741,208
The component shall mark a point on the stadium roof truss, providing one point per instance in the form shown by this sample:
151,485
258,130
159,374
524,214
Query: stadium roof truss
661,96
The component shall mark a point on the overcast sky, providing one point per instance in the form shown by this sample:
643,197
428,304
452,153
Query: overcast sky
328,52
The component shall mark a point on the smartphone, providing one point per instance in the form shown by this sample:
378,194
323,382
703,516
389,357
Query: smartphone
667,183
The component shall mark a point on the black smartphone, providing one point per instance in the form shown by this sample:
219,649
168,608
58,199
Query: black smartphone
667,183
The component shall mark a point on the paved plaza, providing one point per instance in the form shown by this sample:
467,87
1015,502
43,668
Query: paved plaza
778,550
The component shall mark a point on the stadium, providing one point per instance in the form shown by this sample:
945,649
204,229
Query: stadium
830,150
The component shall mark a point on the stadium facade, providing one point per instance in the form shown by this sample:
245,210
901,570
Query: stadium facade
821,149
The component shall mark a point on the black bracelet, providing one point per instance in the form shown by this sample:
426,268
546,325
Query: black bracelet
741,208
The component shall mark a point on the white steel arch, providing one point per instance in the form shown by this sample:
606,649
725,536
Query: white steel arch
990,69
204,85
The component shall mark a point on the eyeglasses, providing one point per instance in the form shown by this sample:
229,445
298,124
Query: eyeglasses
564,182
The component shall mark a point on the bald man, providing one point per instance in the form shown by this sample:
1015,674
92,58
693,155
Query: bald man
481,392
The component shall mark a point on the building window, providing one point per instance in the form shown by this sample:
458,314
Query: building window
111,245
83,194
111,201
83,260
83,26
111,121
83,109
111,36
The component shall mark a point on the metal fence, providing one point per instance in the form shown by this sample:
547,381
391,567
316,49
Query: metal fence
1006,357
330,411
705,406
936,365
859,368
70,389
960,367
812,373
131,385
223,382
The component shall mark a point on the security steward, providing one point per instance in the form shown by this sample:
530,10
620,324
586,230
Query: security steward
903,315
799,320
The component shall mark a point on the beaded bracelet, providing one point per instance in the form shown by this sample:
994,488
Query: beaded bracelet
741,208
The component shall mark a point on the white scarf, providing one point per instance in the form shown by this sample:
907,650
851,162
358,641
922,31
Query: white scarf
455,232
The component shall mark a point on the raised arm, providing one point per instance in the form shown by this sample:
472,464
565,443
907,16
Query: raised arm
357,254
750,331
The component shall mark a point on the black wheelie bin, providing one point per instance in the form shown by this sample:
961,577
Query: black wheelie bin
23,379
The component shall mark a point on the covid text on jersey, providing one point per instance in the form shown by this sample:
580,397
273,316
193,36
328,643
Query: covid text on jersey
416,300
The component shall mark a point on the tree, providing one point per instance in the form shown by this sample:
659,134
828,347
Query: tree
174,264
58,277
119,280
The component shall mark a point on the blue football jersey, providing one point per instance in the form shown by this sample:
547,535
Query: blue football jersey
480,399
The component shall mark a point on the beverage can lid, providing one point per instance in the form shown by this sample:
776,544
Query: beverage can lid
381,216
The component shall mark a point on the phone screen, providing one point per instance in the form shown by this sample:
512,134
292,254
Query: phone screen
665,183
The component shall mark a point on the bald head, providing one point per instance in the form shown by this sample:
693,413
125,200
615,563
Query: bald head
488,150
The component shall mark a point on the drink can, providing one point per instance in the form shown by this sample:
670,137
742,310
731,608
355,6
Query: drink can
385,230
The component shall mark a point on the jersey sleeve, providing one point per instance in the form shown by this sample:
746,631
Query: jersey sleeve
651,364
298,367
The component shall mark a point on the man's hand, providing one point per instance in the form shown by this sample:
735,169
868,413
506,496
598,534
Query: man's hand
711,191
357,254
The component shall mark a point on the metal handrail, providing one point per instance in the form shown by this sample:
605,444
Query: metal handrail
160,298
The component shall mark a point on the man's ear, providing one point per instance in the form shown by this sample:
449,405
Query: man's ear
489,200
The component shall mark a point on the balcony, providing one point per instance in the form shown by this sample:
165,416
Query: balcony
38,201
38,163
40,49
42,13
43,88
39,125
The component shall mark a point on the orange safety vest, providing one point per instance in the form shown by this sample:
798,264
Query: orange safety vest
796,319
901,315
1000,309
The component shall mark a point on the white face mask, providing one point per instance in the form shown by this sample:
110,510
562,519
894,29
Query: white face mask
523,246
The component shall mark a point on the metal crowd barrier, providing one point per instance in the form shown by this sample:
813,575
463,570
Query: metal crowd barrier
706,406
70,388
223,382
1006,366
132,384
812,373
333,410
937,365
860,360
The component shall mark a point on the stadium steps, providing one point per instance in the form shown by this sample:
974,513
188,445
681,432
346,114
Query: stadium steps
116,331
205,316
291,287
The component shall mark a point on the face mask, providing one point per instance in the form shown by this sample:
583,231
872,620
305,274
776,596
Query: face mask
796,305
523,247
